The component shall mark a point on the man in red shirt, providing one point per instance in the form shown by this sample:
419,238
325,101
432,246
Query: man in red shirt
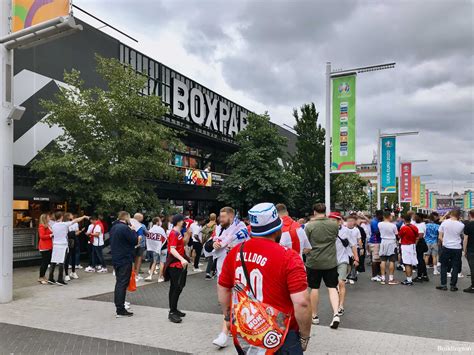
408,239
293,236
277,274
177,264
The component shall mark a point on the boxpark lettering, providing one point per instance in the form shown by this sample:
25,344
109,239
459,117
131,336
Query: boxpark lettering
205,111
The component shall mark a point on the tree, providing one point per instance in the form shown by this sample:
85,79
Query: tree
308,162
113,149
348,192
257,172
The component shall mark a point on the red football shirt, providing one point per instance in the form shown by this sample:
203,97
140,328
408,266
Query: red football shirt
276,273
408,234
176,240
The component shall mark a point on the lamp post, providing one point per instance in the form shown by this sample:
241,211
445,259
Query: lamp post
327,150
379,160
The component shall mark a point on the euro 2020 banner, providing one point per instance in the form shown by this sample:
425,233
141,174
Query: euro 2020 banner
388,178
415,191
343,124
405,182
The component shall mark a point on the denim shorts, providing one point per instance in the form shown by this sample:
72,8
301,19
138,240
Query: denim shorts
432,249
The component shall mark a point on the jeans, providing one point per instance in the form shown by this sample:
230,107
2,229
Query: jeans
78,250
45,260
70,260
122,279
211,265
198,249
60,272
470,261
291,346
421,268
450,257
97,256
177,283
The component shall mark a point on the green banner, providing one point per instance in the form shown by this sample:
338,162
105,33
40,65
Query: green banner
343,123
422,195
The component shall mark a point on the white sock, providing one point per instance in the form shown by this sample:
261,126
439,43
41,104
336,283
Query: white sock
390,277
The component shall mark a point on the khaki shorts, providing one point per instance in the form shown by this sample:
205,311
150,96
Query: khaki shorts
342,271
374,251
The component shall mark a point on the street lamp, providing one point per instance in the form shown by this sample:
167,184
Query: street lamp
327,150
379,160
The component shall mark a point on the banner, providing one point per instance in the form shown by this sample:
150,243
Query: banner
405,182
422,195
431,199
387,170
198,177
427,198
27,13
415,191
469,200
343,124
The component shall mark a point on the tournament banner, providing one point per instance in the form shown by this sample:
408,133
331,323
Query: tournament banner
468,200
27,13
405,182
343,124
387,171
431,205
427,198
198,177
422,195
415,191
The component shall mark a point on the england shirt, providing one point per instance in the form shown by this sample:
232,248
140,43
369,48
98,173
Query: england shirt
196,232
98,240
155,238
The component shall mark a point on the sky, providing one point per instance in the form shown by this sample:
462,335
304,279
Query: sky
271,56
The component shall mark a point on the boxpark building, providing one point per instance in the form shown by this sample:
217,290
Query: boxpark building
209,120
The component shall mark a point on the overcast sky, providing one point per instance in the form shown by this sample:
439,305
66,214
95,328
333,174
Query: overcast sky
271,55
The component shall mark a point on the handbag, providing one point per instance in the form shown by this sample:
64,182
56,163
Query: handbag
345,242
132,285
254,323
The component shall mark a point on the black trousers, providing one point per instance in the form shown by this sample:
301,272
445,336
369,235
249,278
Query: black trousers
451,258
122,279
197,246
70,259
45,260
421,268
52,267
470,261
177,283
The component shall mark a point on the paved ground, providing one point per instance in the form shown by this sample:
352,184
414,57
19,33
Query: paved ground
379,319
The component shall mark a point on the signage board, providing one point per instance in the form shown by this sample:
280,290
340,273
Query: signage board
387,170
27,13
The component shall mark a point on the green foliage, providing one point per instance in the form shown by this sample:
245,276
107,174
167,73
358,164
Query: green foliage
308,162
114,148
257,176
348,192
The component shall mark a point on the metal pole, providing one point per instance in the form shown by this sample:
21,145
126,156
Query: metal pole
6,162
399,182
379,165
327,150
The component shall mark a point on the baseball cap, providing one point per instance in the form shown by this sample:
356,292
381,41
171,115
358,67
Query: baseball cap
264,219
335,215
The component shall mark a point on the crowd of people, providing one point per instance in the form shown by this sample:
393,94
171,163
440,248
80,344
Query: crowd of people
265,263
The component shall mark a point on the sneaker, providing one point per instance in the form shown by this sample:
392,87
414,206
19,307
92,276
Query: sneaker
51,282
469,289
438,264
429,266
340,311
449,274
197,270
460,275
102,270
67,278
89,269
425,278
453,288
435,272
393,282
123,314
139,278
127,306
399,268
351,282
149,278
74,275
79,267
45,282
335,322
221,340
161,279
442,288
376,279
382,282
407,283
418,279
61,283
315,320
174,318
181,314
208,277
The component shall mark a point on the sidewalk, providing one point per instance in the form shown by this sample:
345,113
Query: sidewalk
64,309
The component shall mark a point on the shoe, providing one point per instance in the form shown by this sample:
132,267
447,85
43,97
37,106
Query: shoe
161,279
407,283
429,266
315,320
460,275
174,318
399,268
425,278
453,288
51,282
44,282
376,279
449,274
382,282
393,282
442,288
123,314
340,311
335,322
435,272
61,283
102,270
139,278
208,277
79,266
179,313
127,306
155,272
418,279
89,269
351,282
197,270
438,264
221,340
74,276
469,289
149,278
67,278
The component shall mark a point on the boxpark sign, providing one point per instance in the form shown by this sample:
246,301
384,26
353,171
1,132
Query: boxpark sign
201,109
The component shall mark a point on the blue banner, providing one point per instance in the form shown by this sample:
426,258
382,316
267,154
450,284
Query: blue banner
388,178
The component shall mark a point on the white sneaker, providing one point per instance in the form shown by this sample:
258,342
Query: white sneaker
315,320
79,266
197,270
102,270
438,264
460,275
156,272
67,278
161,279
139,278
221,340
335,322
74,275
89,269
435,272
127,305
449,274
149,278
376,278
